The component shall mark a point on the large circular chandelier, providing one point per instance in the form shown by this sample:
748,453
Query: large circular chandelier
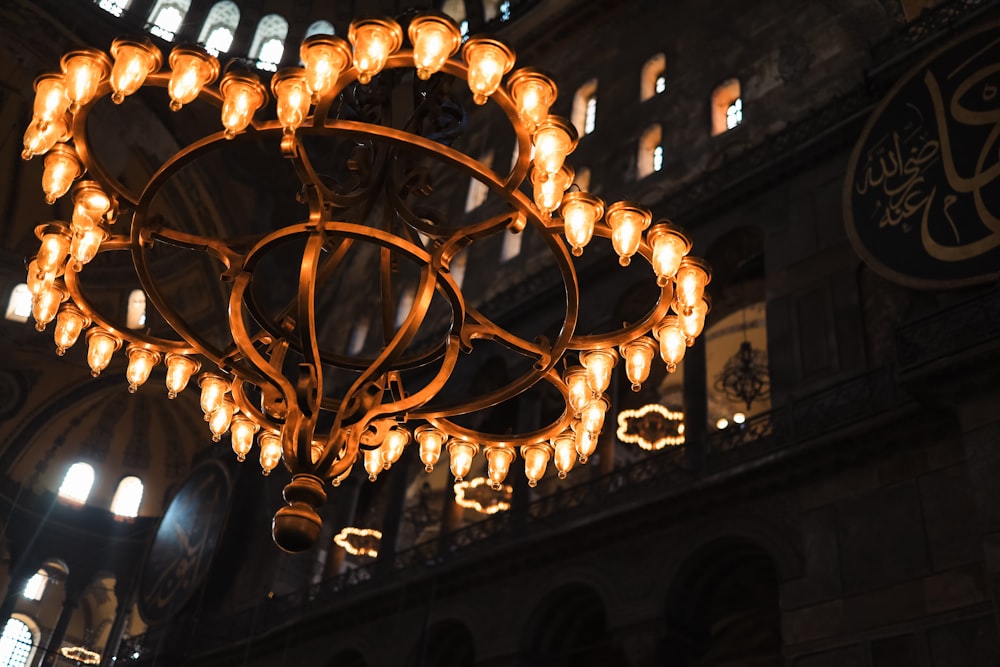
274,376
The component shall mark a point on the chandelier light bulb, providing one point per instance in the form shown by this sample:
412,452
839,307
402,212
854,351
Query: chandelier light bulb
134,61
70,323
293,97
694,322
548,190
90,204
374,41
270,451
53,249
101,345
592,417
585,442
192,68
578,388
39,138
373,463
62,167
580,212
242,95
45,305
498,458
39,280
85,244
242,430
213,389
221,418
460,454
488,60
392,447
180,368
627,221
434,39
564,452
692,277
638,357
83,72
533,94
599,364
554,139
50,102
673,342
325,58
536,460
140,363
430,441
669,245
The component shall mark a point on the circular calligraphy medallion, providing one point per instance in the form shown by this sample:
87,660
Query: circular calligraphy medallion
922,191
185,542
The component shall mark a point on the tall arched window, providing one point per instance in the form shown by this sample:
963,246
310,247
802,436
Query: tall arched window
135,313
19,306
650,158
220,27
654,80
319,28
585,108
269,42
511,247
17,643
166,17
35,588
114,7
128,497
77,483
727,106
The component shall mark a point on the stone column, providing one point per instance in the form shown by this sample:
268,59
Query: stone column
73,591
695,405
125,596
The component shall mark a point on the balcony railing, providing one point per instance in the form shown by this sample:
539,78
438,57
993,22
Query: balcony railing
963,326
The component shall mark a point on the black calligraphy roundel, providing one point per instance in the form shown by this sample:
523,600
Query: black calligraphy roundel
922,192
185,543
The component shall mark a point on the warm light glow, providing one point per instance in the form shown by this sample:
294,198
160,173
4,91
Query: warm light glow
70,323
80,655
564,449
213,390
435,39
367,545
54,248
270,451
40,138
694,322
242,95
548,189
499,458
140,363
578,388
673,342
739,418
242,430
84,71
499,502
61,168
293,96
627,221
85,244
461,453
373,463
536,459
325,57
488,60
637,439
90,204
134,61
374,41
554,139
669,246
192,68
51,102
101,345
180,368
46,304
392,448
580,212
585,441
430,440
533,94
638,357
37,280
692,277
599,364
592,417
221,418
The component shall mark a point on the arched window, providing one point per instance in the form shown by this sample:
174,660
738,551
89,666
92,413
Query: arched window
654,80
220,27
35,588
585,108
114,7
727,106
511,246
358,336
128,497
269,42
19,306
17,643
319,28
135,313
166,17
77,483
650,158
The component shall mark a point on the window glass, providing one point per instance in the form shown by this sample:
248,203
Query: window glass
114,7
585,108
19,306
269,42
219,27
77,483
128,497
727,106
17,644
135,314
35,588
166,18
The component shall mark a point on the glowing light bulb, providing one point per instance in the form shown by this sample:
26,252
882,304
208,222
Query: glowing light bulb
392,448
62,167
134,61
54,248
242,430
638,357
599,364
580,212
533,94
213,389
221,418
140,363
592,416
180,368
554,139
51,102
373,463
435,39
694,322
585,441
627,221
242,95
192,68
692,277
669,246
70,323
499,458
39,280
45,305
564,448
430,440
101,345
548,189
85,244
90,204
673,342
270,451
293,97
536,460
488,60
461,453
578,388
40,139
374,41
325,57
83,72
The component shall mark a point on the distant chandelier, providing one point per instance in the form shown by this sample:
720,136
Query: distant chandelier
275,374
359,541
652,427
482,495
744,376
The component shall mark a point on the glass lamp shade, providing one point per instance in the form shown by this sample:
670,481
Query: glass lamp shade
90,204
134,61
536,459
548,190
638,356
692,277
435,39
694,322
242,95
50,102
533,94
488,60
242,430
554,139
374,41
45,305
498,458
325,57
55,242
461,453
101,345
580,212
70,323
599,364
592,417
40,137
83,72
213,389
669,245
62,167
564,452
180,368
578,388
85,244
140,363
392,448
373,463
192,68
430,441
627,221
270,451
293,97
673,342
585,441
39,280
221,418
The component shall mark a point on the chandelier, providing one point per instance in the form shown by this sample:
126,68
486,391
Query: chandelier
381,117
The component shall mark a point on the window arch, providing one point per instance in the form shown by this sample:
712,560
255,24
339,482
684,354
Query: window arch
585,108
650,158
135,312
220,27
19,306
127,497
269,42
727,106
114,7
77,483
654,80
17,643
34,589
166,17
320,27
